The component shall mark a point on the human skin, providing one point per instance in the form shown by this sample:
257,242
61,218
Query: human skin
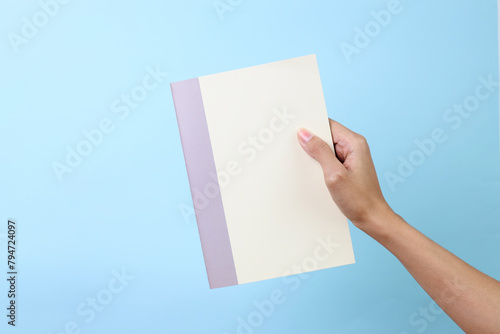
469,297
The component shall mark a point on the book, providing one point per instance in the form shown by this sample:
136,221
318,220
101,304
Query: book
262,207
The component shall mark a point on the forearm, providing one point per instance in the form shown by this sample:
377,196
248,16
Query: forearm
469,297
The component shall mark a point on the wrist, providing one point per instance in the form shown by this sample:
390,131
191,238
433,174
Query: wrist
380,224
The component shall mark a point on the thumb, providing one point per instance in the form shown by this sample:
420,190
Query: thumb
320,151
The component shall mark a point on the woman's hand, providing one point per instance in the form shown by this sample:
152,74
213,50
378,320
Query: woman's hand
349,173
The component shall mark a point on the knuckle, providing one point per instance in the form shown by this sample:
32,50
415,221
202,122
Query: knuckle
360,141
332,179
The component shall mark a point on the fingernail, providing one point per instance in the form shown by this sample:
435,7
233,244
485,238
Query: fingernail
305,135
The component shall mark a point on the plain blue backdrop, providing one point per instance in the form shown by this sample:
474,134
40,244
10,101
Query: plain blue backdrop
123,210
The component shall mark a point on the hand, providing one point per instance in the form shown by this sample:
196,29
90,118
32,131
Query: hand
349,173
470,297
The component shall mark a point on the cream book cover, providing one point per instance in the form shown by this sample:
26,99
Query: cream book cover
262,208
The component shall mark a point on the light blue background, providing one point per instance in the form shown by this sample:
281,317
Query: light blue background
120,207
